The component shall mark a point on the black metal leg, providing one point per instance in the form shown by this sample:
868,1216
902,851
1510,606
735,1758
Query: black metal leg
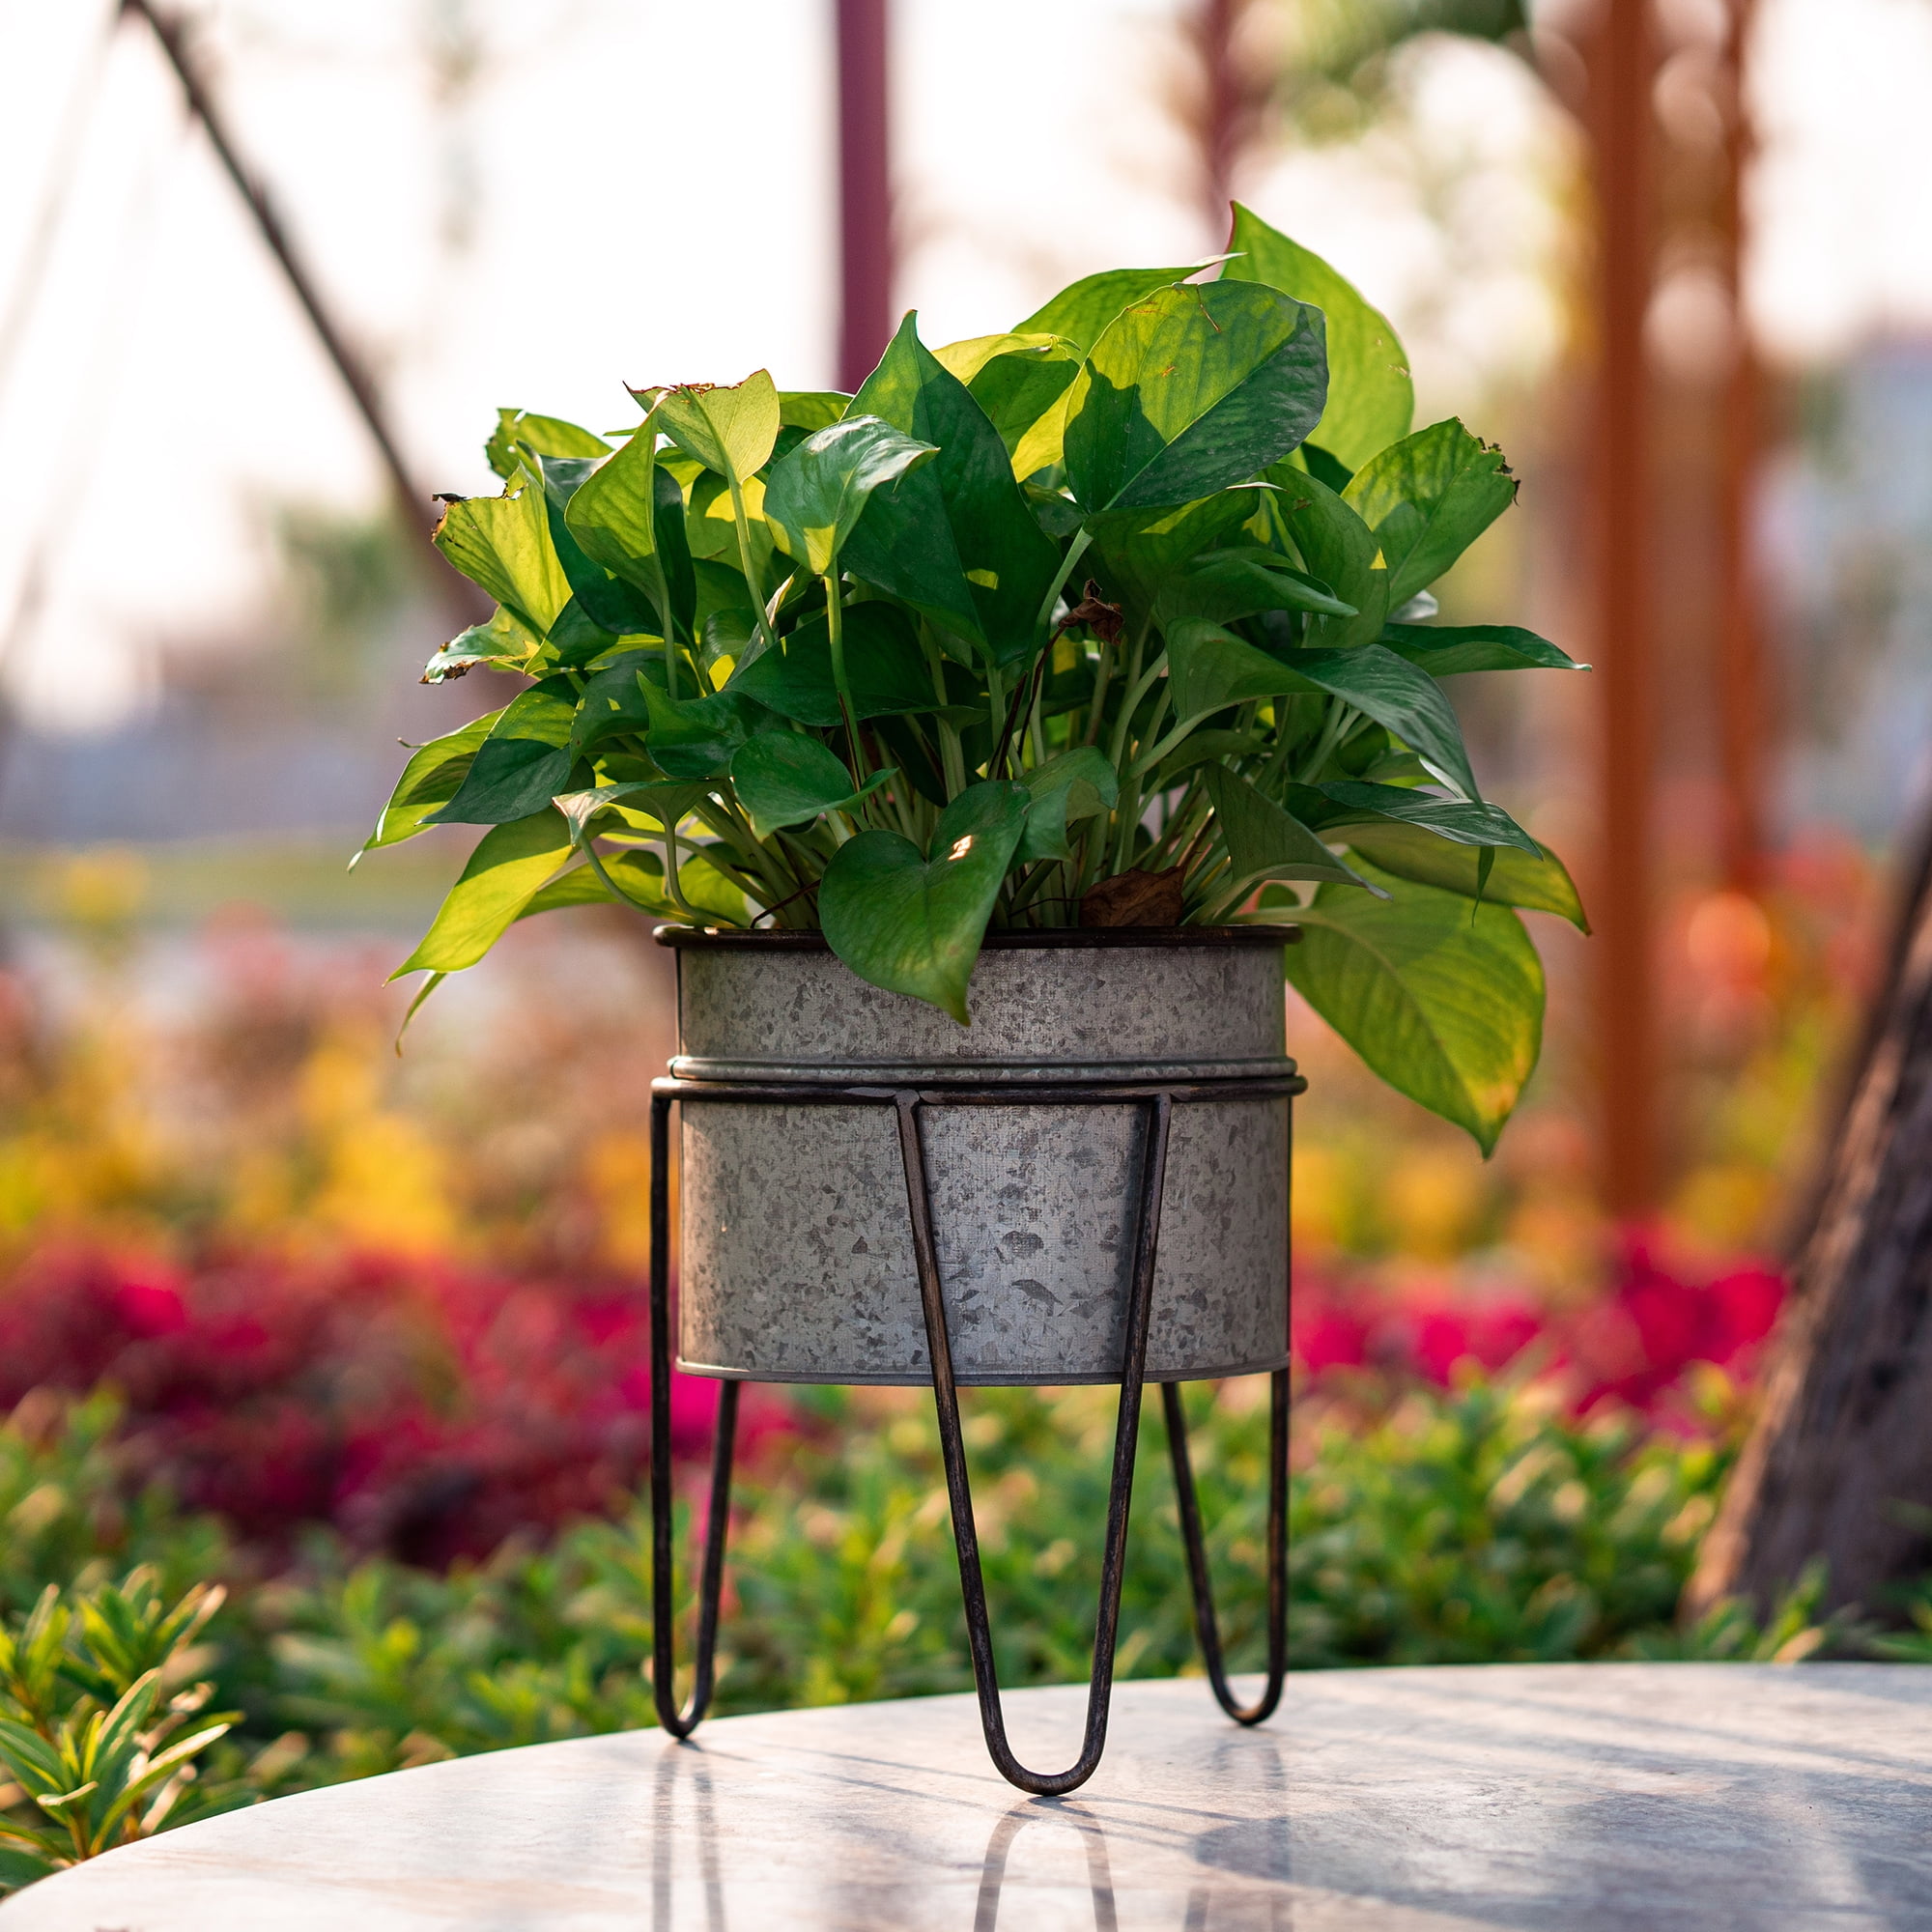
946,1400
1206,1626
711,1578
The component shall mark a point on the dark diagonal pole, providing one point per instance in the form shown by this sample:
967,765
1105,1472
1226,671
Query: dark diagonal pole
412,500
864,190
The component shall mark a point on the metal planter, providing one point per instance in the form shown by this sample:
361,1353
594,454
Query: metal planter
797,1258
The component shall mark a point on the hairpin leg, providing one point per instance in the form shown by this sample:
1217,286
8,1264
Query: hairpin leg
946,1400
711,1579
1206,1626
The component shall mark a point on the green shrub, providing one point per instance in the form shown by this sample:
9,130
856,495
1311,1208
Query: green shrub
1476,1527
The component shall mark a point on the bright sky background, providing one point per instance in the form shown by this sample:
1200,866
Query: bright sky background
649,192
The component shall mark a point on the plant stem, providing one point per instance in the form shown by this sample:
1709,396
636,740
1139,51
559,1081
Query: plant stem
765,637
835,630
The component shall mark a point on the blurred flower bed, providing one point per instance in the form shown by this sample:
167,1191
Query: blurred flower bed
361,1337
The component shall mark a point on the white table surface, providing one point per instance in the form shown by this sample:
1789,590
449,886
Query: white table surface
1605,1798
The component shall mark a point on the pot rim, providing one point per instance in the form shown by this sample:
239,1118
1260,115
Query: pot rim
1020,939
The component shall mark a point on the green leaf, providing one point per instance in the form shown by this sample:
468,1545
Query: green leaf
729,429
913,923
503,543
608,600
612,702
1341,550
1370,400
1074,785
628,515
1537,883
542,436
816,496
1212,668
648,807
1444,649
783,778
1463,821
503,640
522,763
696,737
1139,553
1428,498
811,408
1021,381
638,877
1445,1000
954,536
508,867
1227,586
1267,842
1082,310
1191,389
884,665
431,778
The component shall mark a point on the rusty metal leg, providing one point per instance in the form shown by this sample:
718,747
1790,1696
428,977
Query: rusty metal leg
946,1400
711,1578
1206,1626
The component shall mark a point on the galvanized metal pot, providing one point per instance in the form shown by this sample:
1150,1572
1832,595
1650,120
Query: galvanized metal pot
797,1257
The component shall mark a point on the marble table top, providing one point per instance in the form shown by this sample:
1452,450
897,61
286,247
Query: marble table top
1590,1797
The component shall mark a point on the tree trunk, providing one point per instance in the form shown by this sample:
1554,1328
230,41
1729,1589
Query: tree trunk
1839,1464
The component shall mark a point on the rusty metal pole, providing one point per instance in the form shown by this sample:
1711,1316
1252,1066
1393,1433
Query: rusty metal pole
1622,73
864,190
1743,706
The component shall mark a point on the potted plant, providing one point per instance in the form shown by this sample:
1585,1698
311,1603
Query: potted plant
983,732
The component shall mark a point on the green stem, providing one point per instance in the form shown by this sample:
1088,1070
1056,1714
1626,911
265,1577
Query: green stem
834,629
765,637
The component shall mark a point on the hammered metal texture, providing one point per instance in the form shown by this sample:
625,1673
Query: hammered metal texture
797,1261
1109,1013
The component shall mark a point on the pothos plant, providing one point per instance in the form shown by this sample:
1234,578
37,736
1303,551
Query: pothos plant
1118,618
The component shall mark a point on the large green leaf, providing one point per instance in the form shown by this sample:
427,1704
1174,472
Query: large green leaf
1341,550
1265,842
638,877
808,409
814,496
696,737
509,865
913,923
1463,821
1537,882
1076,785
1370,398
628,515
1227,586
1192,389
542,436
1021,381
431,778
524,762
613,701
784,778
1444,649
1428,498
503,543
610,601
884,666
954,536
1082,310
1442,998
729,429
1211,669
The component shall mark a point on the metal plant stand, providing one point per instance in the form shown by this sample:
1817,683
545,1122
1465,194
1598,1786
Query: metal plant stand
1158,1103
